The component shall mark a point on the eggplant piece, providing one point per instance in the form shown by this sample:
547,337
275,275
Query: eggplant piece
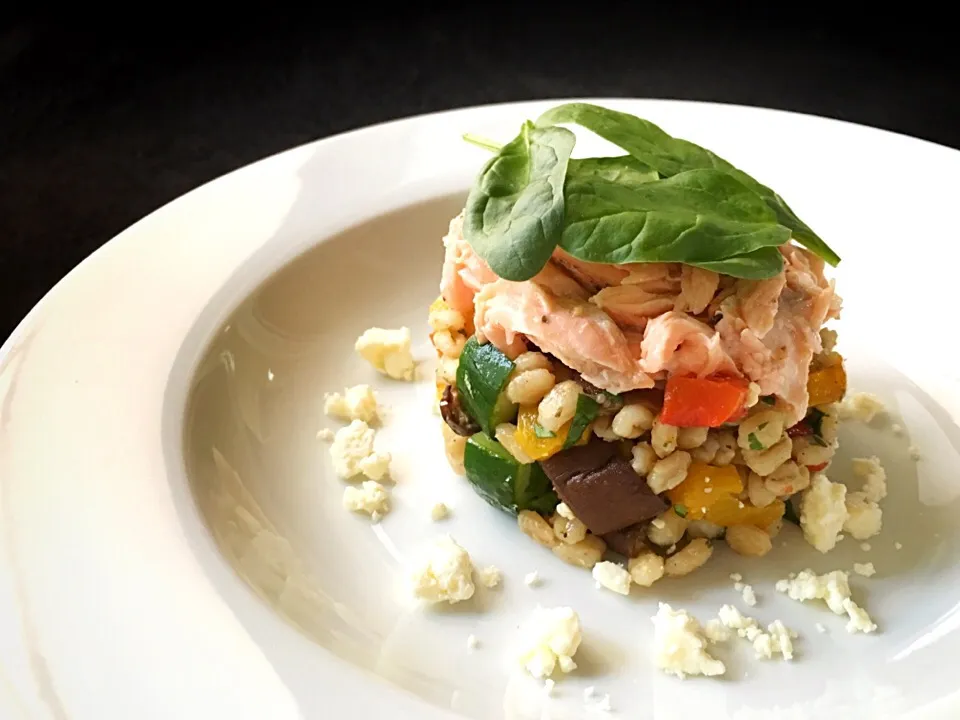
454,415
629,542
602,488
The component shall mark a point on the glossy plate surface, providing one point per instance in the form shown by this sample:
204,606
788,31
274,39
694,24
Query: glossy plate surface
172,543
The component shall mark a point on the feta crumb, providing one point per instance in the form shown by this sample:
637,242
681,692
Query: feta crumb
388,351
749,596
472,642
864,517
680,645
353,454
834,589
861,406
898,546
549,639
866,547
443,573
371,498
897,429
325,434
914,451
865,569
777,640
490,576
716,631
612,576
823,512
873,475
589,693
531,579
781,641
820,628
736,577
439,512
564,511
548,686
357,403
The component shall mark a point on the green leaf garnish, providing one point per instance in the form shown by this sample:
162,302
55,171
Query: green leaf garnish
755,444
514,212
586,412
542,432
680,509
669,156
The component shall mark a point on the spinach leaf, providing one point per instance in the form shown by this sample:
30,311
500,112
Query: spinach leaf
669,156
623,169
757,265
697,216
514,212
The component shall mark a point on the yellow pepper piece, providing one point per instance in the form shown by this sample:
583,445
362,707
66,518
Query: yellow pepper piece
827,385
728,512
540,448
440,388
704,486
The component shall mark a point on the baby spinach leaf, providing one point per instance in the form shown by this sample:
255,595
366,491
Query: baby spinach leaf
514,212
757,265
669,156
624,169
697,216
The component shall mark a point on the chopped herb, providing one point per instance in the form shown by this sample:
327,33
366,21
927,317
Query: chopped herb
816,439
755,444
542,432
611,397
586,412
762,426
768,399
680,510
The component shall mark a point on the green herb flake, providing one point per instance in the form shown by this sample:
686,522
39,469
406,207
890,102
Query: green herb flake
755,443
762,426
680,509
586,412
542,432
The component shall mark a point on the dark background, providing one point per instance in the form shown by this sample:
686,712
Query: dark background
102,120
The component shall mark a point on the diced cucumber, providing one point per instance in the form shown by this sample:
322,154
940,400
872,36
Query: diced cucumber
503,481
586,413
481,377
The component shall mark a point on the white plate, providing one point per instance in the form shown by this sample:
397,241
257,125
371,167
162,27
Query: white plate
138,580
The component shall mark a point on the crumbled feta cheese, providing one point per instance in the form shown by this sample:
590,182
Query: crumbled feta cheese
866,547
865,569
897,429
823,512
612,576
443,573
914,451
680,646
549,639
439,512
357,403
736,577
821,628
834,589
777,639
472,642
874,477
864,517
548,686
531,579
861,406
353,454
388,351
716,631
564,511
490,576
371,498
749,596
325,434
898,546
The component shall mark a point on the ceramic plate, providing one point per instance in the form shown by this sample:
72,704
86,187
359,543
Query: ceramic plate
172,539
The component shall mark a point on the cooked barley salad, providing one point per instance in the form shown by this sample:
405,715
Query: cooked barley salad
632,351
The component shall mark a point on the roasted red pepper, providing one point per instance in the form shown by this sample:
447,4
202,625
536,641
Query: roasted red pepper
702,402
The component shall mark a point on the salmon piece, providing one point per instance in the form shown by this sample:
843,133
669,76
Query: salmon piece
660,278
675,342
577,333
464,272
631,306
771,328
593,276
697,288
